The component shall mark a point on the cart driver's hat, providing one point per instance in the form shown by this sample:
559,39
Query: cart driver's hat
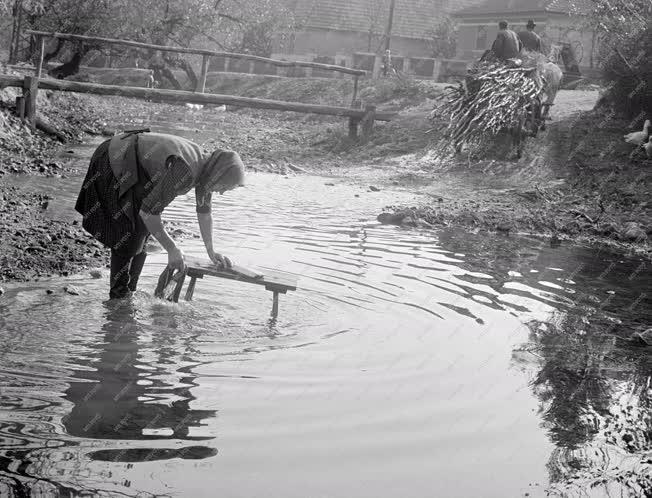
530,24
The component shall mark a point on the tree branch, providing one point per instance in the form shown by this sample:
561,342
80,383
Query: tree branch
213,39
629,66
231,18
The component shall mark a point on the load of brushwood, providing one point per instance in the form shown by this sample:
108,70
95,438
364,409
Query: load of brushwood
492,99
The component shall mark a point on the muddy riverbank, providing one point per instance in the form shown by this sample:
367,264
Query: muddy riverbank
576,183
33,245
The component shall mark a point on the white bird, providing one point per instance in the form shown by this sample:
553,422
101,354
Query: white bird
639,137
648,147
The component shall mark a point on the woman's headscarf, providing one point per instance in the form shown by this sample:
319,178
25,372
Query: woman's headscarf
222,171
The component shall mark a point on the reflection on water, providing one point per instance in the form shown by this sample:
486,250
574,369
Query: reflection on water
592,380
407,364
114,400
595,404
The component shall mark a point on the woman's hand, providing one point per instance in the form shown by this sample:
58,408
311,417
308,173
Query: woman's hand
176,259
219,260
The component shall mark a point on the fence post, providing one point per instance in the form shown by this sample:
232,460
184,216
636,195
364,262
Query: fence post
20,108
353,121
368,121
436,69
201,84
407,66
355,89
375,73
30,91
41,54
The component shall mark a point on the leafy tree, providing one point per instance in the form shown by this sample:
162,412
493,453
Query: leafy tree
624,32
229,25
7,6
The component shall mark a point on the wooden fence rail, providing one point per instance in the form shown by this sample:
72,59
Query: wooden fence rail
197,51
31,84
206,55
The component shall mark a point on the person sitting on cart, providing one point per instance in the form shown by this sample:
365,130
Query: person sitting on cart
530,40
507,45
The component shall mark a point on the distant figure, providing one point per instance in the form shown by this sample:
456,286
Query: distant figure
570,60
507,44
530,40
387,62
151,82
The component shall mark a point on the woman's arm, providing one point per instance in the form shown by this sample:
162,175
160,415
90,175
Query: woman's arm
206,228
205,220
154,224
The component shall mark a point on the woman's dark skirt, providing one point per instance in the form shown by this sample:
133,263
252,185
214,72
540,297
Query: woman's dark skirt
111,220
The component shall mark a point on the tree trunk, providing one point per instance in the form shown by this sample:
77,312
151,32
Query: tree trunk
186,66
17,14
46,127
51,55
67,68
72,66
161,71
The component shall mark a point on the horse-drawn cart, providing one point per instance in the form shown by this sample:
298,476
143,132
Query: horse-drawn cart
494,99
530,119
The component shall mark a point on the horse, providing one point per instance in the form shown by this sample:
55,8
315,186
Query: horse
552,76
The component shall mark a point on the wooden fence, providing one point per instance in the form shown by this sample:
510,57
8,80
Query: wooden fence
26,105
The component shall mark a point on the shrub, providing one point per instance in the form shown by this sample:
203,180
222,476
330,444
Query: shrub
624,31
628,71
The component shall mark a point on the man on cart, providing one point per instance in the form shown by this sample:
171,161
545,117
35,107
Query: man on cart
507,44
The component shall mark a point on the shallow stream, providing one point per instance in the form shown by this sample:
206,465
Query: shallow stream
408,363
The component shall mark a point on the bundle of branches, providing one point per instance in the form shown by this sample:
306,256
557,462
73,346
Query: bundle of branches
492,98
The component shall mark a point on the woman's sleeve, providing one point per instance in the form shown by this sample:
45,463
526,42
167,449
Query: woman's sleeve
203,197
176,179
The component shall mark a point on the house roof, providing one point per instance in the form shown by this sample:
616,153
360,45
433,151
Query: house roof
518,6
412,18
